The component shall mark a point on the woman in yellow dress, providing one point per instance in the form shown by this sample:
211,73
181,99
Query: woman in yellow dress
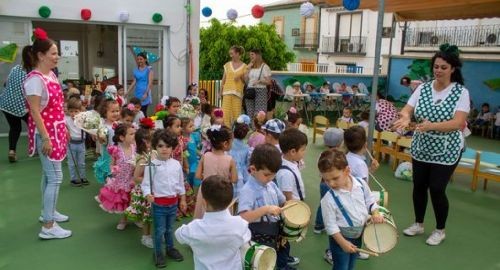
232,85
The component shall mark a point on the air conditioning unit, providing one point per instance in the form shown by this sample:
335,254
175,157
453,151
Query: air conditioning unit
351,47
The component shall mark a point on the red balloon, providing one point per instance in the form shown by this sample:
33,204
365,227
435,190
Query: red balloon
86,14
257,11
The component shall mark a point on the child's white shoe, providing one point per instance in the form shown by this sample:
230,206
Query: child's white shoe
436,238
147,241
414,229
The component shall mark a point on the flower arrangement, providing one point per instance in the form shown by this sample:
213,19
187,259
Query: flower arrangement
187,110
91,123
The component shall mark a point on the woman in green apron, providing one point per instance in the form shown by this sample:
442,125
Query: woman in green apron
440,108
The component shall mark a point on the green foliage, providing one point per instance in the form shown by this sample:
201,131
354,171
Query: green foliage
216,40
420,69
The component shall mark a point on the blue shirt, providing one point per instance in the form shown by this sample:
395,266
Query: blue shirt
239,152
254,195
141,84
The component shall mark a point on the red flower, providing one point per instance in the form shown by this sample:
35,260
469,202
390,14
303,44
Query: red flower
147,123
159,107
40,34
219,113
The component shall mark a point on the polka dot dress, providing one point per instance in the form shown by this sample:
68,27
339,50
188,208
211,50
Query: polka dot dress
386,114
12,100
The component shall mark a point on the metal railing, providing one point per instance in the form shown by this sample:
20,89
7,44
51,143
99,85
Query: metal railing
462,36
325,68
343,45
306,40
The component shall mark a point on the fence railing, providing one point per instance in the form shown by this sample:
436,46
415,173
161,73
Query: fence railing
462,36
213,88
325,68
343,45
306,40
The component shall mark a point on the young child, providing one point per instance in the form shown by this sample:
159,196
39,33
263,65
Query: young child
257,137
260,201
114,197
365,117
128,114
110,111
345,208
355,142
217,237
137,109
120,95
240,151
192,92
293,144
206,115
294,120
346,116
216,162
483,118
272,130
76,146
203,95
163,186
325,88
172,104
139,209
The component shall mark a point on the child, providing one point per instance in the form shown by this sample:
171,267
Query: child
76,146
163,187
355,142
114,197
216,162
137,109
206,115
260,201
483,118
272,130
257,137
203,95
325,88
293,144
193,141
294,120
345,209
110,111
217,231
139,209
120,94
192,92
364,120
128,114
217,117
346,116
172,104
239,151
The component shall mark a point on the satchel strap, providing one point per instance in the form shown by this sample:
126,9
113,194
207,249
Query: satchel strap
296,181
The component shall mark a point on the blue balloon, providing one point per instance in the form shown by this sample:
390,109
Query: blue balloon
206,11
351,4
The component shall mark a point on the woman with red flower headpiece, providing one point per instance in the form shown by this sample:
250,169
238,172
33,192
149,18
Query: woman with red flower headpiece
47,129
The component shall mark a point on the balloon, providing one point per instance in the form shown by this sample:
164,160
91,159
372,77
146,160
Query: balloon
306,9
257,11
157,17
124,15
351,4
44,11
206,11
86,14
232,14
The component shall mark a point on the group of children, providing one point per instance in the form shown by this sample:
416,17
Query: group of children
198,167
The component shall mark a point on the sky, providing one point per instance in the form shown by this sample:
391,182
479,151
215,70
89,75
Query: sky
243,7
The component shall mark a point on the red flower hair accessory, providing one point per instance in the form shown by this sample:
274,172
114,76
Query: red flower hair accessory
40,34
159,107
147,123
219,113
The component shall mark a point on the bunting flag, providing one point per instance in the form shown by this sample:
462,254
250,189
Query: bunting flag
8,53
152,58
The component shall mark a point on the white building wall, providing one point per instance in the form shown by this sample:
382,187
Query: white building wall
107,12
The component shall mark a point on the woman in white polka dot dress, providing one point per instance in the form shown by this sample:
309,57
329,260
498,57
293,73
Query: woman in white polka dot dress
46,129
13,104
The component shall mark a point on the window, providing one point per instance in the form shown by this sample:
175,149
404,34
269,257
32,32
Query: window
279,24
308,32
349,25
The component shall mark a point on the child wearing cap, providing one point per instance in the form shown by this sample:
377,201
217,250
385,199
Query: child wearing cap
272,130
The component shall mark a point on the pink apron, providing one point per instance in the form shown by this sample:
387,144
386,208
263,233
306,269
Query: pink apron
53,119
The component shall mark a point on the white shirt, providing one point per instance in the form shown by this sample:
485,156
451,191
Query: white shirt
463,103
363,124
215,240
356,203
346,119
138,116
357,164
74,131
35,86
286,180
168,178
254,74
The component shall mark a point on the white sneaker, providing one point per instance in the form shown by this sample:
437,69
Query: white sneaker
147,241
58,217
363,256
436,238
414,229
55,232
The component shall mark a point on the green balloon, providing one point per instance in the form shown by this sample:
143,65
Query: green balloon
157,17
44,11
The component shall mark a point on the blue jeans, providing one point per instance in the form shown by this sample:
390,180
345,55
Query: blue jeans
343,260
323,189
163,220
52,177
282,255
76,154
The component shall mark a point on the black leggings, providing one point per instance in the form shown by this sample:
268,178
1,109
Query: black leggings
144,109
15,128
435,178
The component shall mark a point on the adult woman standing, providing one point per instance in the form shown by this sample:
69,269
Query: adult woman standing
46,129
232,85
258,76
142,82
440,108
13,103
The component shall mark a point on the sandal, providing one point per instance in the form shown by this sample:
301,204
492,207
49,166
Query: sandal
12,157
121,225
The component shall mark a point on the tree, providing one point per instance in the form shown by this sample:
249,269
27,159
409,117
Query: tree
216,40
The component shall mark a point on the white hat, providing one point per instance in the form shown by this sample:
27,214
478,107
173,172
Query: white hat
111,89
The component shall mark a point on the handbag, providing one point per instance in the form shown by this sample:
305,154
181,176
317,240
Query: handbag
265,233
250,92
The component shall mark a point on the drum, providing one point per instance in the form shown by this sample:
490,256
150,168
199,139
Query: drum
381,197
258,257
381,238
295,221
